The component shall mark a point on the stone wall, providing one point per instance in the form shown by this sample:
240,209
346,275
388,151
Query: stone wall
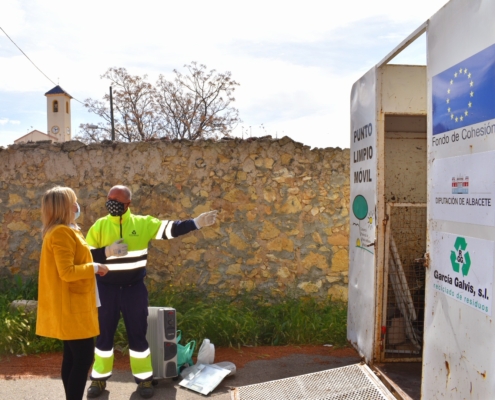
283,208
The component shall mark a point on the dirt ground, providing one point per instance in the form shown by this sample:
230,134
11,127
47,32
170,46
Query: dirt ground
48,365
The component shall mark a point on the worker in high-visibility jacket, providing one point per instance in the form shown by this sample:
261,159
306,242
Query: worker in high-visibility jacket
120,240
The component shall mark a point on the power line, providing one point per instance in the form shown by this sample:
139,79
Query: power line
27,56
15,44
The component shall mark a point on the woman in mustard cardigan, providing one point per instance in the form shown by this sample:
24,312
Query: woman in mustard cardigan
67,294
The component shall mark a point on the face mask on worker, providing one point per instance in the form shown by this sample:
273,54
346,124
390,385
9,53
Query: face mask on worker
77,214
115,208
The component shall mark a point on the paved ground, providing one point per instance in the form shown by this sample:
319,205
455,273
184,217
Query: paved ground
121,386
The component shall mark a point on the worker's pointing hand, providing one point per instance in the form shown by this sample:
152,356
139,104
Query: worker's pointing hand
116,249
206,219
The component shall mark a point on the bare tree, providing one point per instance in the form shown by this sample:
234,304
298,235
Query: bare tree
193,106
197,105
135,111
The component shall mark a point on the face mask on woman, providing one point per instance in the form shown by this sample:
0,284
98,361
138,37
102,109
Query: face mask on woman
77,214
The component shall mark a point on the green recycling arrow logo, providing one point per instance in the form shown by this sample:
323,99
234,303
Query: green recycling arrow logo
460,256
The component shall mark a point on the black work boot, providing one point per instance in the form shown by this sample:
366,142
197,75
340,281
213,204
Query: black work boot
96,388
145,389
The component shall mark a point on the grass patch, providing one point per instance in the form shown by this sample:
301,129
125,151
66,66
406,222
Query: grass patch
17,330
226,321
245,320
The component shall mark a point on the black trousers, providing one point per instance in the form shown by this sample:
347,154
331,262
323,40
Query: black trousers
132,302
76,362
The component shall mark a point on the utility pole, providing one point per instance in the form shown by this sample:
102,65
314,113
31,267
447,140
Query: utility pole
111,115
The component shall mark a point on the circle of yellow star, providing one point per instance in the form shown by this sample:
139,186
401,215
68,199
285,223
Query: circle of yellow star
462,113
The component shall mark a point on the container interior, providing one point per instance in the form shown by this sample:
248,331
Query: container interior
405,153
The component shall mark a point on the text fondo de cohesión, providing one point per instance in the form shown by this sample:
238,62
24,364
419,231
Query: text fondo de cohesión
467,133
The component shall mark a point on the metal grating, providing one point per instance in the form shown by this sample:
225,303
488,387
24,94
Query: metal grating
405,297
354,382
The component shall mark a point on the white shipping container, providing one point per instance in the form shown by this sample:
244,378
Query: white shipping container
422,222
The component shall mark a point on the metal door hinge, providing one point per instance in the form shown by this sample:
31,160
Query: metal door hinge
425,261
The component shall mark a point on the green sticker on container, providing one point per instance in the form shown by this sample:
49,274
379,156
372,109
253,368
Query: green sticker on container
360,207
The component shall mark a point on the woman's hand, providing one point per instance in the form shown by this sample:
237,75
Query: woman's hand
102,269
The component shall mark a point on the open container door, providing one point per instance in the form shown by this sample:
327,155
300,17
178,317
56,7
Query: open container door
388,224
361,287
458,357
388,190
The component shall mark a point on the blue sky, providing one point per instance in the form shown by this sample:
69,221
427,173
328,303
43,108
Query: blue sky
296,61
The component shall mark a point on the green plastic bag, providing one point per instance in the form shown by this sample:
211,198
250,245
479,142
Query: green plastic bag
184,353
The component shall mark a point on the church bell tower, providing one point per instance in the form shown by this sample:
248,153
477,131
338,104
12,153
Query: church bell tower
58,111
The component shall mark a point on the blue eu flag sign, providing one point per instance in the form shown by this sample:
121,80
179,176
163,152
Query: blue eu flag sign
464,94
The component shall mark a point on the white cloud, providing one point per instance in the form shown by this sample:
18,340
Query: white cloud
296,62
4,121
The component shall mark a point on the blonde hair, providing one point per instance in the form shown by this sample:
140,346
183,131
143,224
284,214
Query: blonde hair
56,207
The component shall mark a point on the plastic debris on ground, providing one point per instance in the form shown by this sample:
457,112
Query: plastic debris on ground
203,378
